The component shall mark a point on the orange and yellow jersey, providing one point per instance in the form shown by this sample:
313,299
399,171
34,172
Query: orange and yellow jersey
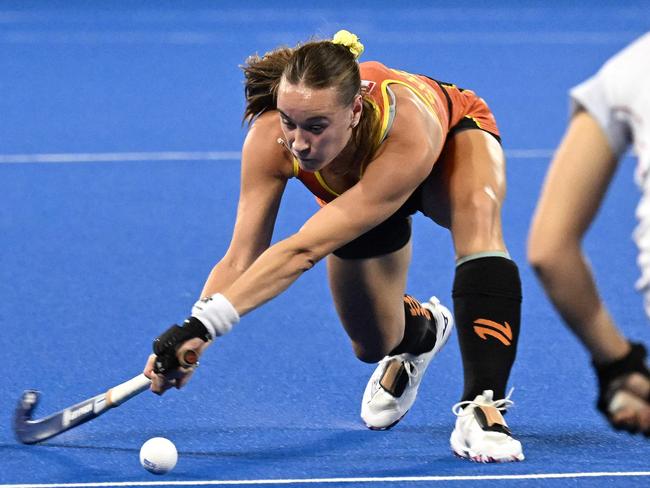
452,106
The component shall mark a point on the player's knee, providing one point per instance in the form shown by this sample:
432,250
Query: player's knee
481,207
477,223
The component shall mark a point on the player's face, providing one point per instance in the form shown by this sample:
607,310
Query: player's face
315,124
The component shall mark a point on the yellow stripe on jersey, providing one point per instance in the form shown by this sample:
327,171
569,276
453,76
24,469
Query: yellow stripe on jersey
423,91
296,170
324,184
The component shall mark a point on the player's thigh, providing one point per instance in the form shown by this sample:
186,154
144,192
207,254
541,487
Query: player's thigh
466,191
368,295
574,187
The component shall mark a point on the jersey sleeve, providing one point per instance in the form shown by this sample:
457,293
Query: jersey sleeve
594,96
616,92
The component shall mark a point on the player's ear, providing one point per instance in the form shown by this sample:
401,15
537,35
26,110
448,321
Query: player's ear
357,110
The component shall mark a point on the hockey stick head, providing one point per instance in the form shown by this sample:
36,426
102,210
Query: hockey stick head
30,431
23,416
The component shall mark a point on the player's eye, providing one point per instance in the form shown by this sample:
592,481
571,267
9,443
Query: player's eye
288,124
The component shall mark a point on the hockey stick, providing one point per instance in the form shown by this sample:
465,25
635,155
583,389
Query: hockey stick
29,431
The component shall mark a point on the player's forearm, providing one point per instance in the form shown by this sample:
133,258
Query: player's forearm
570,285
223,275
272,273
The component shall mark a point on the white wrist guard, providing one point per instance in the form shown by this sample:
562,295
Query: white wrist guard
216,313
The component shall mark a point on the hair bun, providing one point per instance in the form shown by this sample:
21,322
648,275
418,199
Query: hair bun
349,40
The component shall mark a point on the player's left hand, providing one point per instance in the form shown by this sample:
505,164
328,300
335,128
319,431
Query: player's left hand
176,355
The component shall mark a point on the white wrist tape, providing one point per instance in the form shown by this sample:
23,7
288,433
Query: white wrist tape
216,313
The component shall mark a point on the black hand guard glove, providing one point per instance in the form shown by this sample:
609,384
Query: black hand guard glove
164,346
611,376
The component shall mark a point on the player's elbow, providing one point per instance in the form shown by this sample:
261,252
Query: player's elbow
540,254
547,252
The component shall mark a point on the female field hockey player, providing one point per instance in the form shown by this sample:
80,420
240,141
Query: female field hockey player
374,145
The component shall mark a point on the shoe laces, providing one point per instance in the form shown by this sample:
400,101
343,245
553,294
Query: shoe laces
411,367
503,404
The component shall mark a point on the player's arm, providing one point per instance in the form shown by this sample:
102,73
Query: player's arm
265,170
264,173
575,186
405,160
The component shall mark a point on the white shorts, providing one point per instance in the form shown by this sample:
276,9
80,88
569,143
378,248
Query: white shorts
618,97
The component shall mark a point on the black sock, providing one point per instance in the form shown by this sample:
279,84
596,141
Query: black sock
487,308
419,329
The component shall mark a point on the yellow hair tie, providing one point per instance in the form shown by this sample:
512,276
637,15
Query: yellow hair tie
349,40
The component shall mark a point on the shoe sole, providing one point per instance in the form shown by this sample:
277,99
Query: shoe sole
388,427
466,455
462,451
458,448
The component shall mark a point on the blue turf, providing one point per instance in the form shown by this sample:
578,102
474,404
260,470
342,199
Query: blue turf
97,258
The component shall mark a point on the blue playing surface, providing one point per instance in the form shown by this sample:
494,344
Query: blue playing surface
98,257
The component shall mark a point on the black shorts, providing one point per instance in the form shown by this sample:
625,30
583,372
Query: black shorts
395,232
389,236
469,123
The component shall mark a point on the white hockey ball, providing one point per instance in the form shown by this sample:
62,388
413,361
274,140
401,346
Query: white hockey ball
158,455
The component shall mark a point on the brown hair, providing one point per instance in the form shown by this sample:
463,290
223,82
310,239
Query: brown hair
316,64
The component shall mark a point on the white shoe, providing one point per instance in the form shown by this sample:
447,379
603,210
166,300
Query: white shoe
481,433
393,386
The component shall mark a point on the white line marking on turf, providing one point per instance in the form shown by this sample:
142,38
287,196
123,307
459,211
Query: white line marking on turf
289,481
120,156
111,157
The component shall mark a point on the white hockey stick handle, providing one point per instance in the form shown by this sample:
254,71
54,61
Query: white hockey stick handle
122,392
